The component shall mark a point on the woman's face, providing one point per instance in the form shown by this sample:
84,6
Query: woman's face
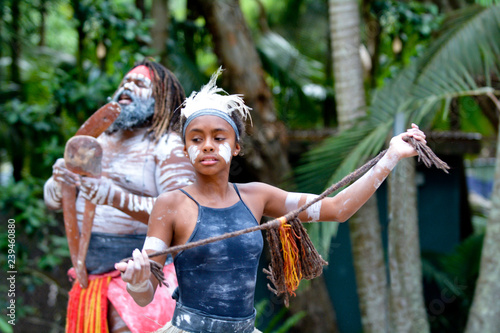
210,143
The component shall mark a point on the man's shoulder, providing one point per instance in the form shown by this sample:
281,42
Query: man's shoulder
171,139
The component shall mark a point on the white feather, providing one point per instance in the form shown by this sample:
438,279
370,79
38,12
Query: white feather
209,97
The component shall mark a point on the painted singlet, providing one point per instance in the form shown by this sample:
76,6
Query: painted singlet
219,278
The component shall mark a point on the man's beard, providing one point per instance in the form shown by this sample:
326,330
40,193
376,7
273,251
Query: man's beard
132,115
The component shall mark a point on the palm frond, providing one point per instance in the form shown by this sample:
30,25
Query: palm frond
468,37
288,61
465,50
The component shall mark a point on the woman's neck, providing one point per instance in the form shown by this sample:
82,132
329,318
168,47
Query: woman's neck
213,192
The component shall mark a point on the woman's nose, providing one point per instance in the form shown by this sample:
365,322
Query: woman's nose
208,146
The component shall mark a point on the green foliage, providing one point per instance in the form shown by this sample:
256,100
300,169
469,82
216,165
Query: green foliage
405,28
487,2
278,323
5,327
450,280
297,81
40,243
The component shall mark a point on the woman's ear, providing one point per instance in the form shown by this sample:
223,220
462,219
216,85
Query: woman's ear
185,151
237,149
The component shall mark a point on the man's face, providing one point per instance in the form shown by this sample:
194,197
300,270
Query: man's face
135,98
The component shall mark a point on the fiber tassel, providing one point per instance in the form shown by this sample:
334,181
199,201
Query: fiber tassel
293,258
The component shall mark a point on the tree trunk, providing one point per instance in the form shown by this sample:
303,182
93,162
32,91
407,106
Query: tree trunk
17,152
15,45
347,67
159,31
139,4
320,313
80,21
265,149
406,296
364,225
483,314
43,14
369,265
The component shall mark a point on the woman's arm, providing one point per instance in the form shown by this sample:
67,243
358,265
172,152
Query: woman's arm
141,284
342,206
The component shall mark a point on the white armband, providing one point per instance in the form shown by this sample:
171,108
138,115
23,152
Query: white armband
292,201
314,210
140,287
155,244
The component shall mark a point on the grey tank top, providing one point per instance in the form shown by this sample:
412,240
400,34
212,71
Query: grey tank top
219,278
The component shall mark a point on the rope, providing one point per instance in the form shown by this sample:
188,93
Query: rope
293,256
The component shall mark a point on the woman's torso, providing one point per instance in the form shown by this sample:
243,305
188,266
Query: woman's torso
219,278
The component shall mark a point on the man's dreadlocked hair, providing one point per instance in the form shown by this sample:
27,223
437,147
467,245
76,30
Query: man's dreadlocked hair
168,95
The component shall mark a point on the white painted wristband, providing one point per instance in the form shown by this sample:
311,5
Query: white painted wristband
140,287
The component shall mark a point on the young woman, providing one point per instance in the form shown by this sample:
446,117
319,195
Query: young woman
217,281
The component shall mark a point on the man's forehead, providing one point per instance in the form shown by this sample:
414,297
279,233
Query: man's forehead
137,76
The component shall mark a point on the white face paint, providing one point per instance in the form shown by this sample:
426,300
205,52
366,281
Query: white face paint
225,151
193,152
139,84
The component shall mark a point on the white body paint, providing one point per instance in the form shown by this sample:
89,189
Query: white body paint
314,210
386,162
142,168
292,201
225,152
154,243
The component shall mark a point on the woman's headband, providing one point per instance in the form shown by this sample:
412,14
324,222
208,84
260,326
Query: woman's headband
211,112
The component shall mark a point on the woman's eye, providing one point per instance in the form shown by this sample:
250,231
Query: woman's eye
220,139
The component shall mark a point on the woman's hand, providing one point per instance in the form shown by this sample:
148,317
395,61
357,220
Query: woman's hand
402,148
136,272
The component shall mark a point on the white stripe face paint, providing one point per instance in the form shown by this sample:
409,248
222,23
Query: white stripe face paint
193,152
145,91
154,243
225,151
292,201
315,209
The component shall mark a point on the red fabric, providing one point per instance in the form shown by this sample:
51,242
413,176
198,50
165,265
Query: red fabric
151,317
88,308
138,319
141,70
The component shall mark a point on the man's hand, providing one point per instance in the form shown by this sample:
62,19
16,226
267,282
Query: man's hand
97,190
63,175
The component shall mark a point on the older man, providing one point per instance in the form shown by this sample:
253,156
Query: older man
142,157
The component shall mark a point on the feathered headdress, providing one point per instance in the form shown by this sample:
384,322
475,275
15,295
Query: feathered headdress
210,101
